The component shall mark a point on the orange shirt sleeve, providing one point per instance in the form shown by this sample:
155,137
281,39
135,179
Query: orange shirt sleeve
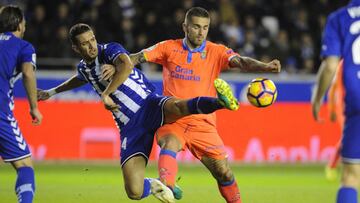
156,53
226,55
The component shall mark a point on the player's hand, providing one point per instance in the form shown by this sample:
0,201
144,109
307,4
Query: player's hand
36,116
109,103
333,116
43,95
274,66
315,110
107,72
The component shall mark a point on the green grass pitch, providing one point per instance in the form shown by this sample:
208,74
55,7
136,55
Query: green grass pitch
61,182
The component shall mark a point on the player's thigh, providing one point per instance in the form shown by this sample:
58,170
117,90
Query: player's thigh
26,162
206,143
134,173
175,109
13,146
350,151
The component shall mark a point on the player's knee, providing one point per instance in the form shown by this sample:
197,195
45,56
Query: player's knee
180,108
224,174
133,192
170,143
350,180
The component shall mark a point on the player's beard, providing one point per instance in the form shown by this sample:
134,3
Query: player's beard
194,43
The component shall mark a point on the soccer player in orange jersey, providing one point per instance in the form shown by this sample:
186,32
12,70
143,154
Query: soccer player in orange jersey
190,66
336,109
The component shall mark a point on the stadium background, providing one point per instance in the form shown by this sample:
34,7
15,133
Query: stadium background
78,143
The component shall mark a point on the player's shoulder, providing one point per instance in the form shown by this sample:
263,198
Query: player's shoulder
23,44
214,45
339,13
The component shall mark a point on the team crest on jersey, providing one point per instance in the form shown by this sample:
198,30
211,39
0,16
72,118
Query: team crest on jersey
203,55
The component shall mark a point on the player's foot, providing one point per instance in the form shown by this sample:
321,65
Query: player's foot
178,193
161,191
331,174
225,95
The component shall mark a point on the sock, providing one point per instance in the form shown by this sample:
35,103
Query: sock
230,191
167,167
147,188
346,195
203,105
25,184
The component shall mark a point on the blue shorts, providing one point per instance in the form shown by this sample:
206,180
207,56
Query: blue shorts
137,136
13,146
350,150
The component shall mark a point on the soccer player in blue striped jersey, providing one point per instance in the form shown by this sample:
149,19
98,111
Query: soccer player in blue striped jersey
341,39
16,56
137,110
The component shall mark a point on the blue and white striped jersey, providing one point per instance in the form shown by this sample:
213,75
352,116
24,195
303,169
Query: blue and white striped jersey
342,38
130,96
13,53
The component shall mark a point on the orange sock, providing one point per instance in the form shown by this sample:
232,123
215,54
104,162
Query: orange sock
230,191
167,167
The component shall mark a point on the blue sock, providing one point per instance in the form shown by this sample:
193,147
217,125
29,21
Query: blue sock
25,184
147,190
203,105
346,195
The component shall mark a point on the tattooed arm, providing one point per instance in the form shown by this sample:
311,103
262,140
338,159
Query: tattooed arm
247,64
137,58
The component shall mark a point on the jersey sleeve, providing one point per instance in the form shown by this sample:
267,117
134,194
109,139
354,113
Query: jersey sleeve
331,41
156,53
112,51
226,54
27,55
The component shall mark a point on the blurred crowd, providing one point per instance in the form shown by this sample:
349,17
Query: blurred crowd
289,30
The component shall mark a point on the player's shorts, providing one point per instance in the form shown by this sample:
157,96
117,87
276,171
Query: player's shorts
13,146
138,135
200,142
350,150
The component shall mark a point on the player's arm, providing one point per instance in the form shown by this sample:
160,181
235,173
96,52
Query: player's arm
325,76
107,71
69,84
247,64
138,58
29,81
123,68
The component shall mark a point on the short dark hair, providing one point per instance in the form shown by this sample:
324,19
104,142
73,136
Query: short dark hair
78,29
10,18
197,12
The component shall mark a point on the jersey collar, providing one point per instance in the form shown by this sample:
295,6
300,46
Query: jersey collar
200,49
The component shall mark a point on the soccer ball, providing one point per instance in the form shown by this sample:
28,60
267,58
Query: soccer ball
261,92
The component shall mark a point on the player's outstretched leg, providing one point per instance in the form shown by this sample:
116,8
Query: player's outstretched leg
225,94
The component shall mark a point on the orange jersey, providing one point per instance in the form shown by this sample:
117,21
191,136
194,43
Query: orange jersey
336,95
189,74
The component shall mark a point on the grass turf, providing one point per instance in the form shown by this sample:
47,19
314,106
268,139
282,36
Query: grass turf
102,182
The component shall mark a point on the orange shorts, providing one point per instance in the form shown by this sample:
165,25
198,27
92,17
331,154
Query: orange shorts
200,141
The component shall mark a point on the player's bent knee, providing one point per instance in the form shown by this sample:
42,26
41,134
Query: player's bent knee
134,194
170,143
224,174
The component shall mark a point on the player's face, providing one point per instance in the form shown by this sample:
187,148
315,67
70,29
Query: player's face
87,46
196,30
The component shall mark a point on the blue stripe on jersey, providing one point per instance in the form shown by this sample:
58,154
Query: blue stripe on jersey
130,96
